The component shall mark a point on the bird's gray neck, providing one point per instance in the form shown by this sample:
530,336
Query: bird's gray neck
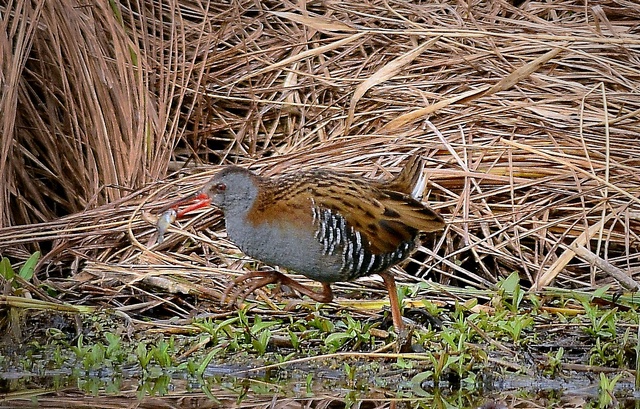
239,202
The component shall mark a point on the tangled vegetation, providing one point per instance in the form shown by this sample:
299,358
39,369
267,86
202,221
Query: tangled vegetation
528,115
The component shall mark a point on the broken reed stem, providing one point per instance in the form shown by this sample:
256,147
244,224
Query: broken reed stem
617,273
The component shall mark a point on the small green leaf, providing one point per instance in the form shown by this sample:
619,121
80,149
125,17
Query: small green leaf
309,383
337,338
600,292
205,362
6,270
417,381
261,326
295,340
226,325
144,356
114,344
511,283
262,342
26,272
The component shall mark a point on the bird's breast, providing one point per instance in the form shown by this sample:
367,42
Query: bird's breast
315,241
288,245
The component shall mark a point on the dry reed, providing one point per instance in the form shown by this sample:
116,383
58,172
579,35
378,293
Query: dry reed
529,116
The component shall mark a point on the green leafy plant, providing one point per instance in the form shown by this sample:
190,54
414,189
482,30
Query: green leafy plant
144,355
295,340
515,325
441,362
161,353
95,357
603,324
25,272
350,372
261,334
454,340
348,331
606,386
511,293
205,362
321,323
402,363
114,349
309,383
80,349
554,363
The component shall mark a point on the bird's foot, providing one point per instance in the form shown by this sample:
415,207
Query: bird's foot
247,283
244,285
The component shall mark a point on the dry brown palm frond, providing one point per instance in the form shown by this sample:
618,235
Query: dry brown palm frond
529,117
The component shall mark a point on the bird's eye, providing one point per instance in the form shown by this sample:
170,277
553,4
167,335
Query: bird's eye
221,187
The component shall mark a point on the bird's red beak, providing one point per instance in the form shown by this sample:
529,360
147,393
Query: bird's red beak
195,201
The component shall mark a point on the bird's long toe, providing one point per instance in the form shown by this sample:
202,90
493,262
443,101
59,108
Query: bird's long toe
257,284
241,287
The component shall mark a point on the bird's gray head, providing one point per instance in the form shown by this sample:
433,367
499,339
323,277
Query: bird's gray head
233,189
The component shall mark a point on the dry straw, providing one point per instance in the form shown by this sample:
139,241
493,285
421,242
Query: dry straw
529,116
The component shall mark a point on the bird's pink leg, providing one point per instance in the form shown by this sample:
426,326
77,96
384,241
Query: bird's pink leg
325,296
242,287
396,314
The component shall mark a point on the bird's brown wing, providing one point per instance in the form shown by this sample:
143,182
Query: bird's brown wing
385,218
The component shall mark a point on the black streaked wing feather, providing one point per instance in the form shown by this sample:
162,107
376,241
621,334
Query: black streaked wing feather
385,218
